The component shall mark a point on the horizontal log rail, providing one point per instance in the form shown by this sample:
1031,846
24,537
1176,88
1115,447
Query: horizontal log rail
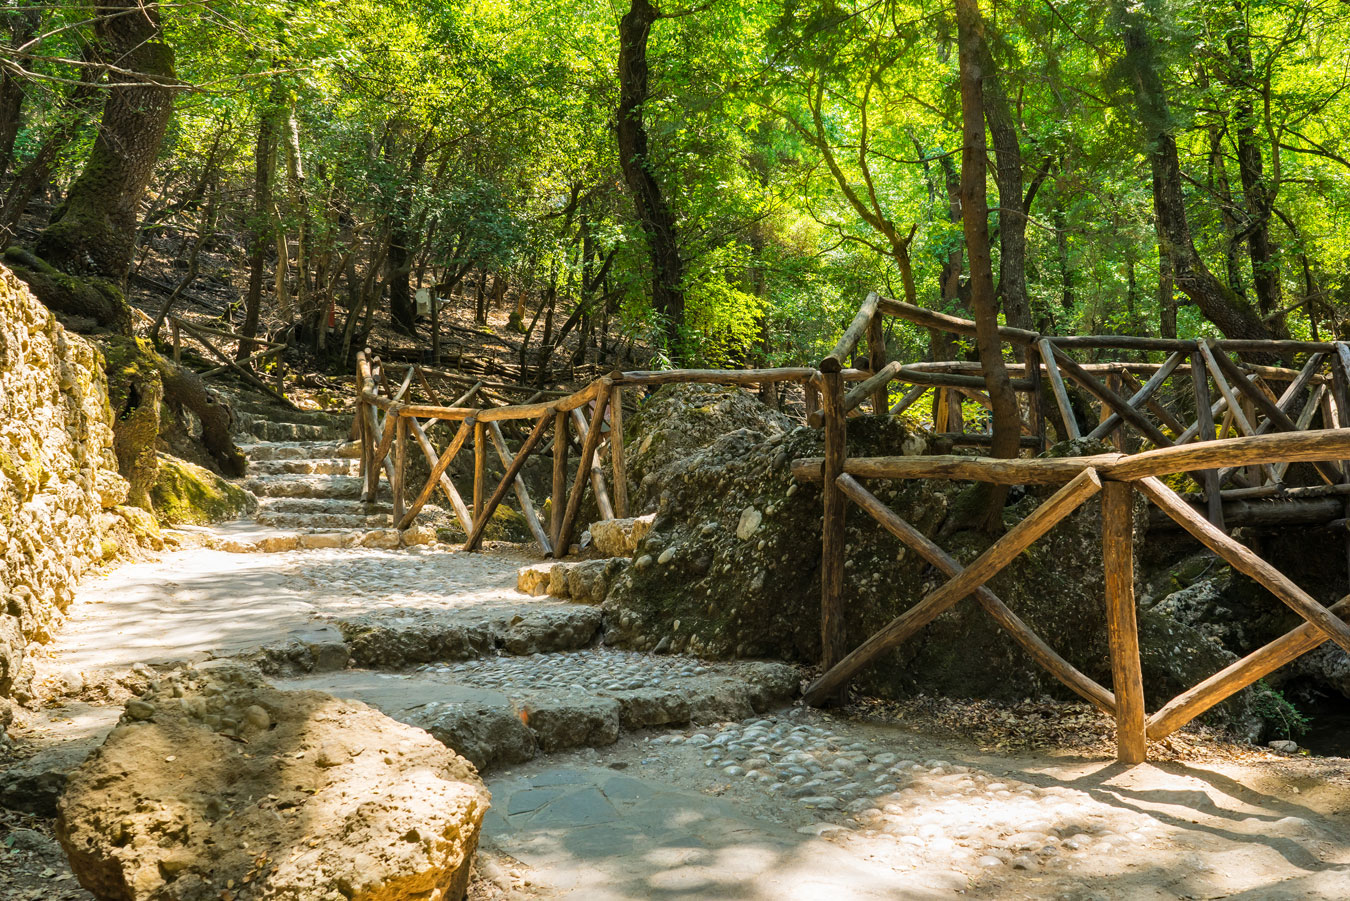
1117,475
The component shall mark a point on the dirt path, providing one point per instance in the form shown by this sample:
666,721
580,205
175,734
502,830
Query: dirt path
788,803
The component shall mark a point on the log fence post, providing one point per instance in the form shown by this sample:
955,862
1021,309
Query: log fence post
559,498
616,452
1121,628
876,361
479,467
1205,422
833,637
400,466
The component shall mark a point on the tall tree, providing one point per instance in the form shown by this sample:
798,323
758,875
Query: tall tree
94,231
975,225
1217,301
653,211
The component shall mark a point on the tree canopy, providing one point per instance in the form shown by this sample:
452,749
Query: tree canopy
722,181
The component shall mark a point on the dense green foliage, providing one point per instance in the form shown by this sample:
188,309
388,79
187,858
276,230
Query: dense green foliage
804,147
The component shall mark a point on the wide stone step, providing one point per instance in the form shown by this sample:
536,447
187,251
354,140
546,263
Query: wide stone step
583,581
620,537
297,450
271,430
304,486
323,505
268,539
505,710
326,520
337,466
248,409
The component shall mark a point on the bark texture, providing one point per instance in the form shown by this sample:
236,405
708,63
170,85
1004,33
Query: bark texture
653,212
1217,301
94,231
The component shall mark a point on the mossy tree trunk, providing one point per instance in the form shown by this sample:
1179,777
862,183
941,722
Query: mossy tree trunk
94,231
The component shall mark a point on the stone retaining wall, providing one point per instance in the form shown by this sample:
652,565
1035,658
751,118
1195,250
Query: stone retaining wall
59,487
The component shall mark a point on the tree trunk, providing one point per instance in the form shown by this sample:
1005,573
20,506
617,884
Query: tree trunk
1259,196
94,231
1216,301
975,222
658,224
260,232
1012,214
22,24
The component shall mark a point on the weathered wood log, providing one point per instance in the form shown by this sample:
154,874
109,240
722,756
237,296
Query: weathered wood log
1032,643
716,376
982,569
479,468
522,491
1140,396
400,466
588,446
616,452
1117,403
812,400
969,439
457,504
1235,410
1305,418
434,479
1163,414
833,636
431,411
583,397
852,335
998,471
1294,447
517,411
381,451
1066,414
509,478
876,361
559,498
912,395
1269,513
1238,675
1121,630
602,500
1247,562
943,322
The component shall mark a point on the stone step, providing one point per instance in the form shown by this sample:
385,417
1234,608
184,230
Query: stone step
583,581
323,505
326,520
504,710
305,486
249,409
271,430
298,450
620,537
337,466
254,538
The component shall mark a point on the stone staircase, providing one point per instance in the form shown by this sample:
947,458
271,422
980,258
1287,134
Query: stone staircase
305,475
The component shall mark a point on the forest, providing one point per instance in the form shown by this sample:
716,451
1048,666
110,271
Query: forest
707,183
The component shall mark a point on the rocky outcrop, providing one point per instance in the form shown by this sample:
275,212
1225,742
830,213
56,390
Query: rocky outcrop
60,492
731,565
217,785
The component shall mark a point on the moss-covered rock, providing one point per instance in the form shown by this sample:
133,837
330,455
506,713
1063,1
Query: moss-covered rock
135,390
187,493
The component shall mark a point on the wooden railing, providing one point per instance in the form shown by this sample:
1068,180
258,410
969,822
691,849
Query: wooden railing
386,421
1116,476
1258,461
1273,429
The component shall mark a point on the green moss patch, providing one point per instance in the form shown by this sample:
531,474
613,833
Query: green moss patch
187,493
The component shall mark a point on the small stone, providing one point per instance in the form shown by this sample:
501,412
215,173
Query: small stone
666,556
989,861
1284,746
257,718
643,562
749,524
330,755
140,710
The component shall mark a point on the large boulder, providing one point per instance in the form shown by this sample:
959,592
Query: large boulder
215,785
